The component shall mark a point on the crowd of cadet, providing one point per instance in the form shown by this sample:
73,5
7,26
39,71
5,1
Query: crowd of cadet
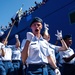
36,55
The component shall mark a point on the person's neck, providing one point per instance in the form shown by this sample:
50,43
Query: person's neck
38,35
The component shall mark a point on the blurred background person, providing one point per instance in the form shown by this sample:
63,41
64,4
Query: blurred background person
53,48
68,57
16,57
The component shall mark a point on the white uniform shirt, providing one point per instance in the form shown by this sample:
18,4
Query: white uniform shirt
8,53
16,52
67,53
52,49
22,44
1,44
38,51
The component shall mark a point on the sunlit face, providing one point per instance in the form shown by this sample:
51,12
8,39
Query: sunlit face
36,27
68,42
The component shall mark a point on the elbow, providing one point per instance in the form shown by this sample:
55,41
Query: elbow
17,45
66,48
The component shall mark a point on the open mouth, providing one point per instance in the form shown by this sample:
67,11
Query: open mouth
36,30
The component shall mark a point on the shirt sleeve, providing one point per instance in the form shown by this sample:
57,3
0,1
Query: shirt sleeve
22,44
49,51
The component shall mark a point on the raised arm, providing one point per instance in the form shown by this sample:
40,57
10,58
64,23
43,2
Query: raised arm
17,41
59,37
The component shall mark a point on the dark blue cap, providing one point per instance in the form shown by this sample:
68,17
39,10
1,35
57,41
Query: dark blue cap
67,36
36,19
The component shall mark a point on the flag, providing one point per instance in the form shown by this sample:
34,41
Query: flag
18,17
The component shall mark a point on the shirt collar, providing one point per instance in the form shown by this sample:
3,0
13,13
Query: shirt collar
35,38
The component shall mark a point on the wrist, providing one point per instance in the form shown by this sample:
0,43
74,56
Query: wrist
56,67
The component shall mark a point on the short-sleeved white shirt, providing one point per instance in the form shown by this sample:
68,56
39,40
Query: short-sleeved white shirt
8,53
22,44
38,51
66,54
16,52
52,49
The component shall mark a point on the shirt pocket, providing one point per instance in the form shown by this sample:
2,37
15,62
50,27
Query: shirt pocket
34,47
44,50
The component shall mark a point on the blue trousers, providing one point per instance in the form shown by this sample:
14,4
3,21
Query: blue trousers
9,67
37,69
18,67
2,69
50,70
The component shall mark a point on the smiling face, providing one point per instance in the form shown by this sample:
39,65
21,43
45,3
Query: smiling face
68,42
36,28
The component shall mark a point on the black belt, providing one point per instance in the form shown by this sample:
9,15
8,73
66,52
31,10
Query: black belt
6,60
16,60
37,65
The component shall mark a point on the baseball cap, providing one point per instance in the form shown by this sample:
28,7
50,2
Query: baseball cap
36,19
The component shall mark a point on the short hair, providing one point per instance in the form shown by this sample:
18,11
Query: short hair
36,19
67,36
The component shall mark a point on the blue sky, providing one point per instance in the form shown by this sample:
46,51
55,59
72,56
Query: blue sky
8,8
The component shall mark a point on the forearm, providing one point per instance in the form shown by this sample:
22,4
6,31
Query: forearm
64,46
3,53
52,62
24,53
69,58
17,43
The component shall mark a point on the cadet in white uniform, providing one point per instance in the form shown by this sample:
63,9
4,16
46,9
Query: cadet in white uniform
2,68
46,36
68,57
36,51
16,57
7,58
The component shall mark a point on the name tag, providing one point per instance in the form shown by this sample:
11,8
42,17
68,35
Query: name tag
33,43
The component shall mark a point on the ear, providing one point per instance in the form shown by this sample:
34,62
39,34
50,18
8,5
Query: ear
41,26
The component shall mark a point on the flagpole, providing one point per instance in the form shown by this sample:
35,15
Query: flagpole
9,32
